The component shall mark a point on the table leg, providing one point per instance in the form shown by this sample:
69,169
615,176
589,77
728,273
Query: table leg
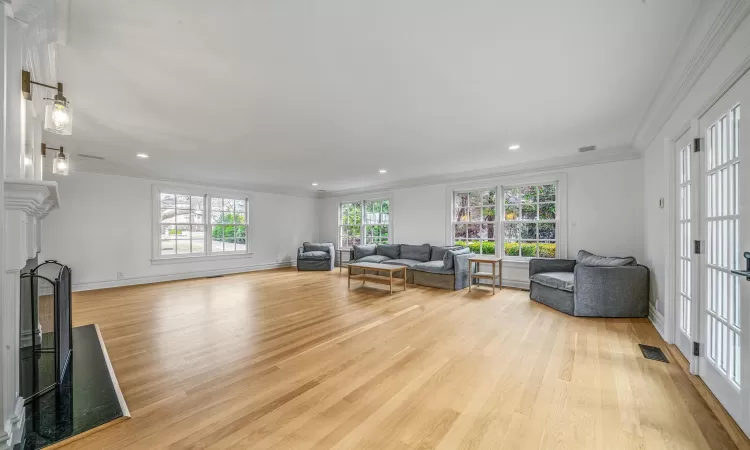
500,275
349,278
404,278
493,278
471,279
390,284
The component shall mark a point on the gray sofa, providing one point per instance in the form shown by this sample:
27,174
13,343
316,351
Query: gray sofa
316,257
591,285
440,267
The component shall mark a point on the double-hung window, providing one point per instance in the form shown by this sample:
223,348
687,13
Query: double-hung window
530,221
199,224
474,220
365,221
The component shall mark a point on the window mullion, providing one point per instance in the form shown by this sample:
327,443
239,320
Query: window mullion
207,230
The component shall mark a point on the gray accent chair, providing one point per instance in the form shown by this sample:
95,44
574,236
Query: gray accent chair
316,257
439,267
591,285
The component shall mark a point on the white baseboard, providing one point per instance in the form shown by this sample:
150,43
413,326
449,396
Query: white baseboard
92,285
518,284
657,319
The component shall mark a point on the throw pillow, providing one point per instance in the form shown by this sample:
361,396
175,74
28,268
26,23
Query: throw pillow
416,252
309,247
391,251
438,253
448,258
360,251
589,259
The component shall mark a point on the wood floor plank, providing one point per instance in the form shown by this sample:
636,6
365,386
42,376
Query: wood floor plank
287,359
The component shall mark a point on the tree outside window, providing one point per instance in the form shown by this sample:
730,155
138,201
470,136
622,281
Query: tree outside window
474,220
530,221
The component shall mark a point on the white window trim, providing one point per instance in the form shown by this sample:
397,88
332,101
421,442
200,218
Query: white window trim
362,199
207,193
560,179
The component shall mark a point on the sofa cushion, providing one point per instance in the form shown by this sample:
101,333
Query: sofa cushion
360,251
433,267
592,260
309,247
391,251
402,262
372,259
448,258
438,253
415,252
315,255
556,280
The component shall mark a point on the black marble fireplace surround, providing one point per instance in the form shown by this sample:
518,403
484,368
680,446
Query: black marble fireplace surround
87,398
66,378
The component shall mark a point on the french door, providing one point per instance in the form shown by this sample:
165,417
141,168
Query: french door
687,270
724,229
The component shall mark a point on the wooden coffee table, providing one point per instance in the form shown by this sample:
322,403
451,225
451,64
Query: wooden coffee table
373,277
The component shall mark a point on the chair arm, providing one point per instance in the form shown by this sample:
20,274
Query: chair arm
332,252
300,250
351,254
539,265
621,291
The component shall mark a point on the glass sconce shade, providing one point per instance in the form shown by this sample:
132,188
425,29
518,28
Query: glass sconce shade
58,118
61,164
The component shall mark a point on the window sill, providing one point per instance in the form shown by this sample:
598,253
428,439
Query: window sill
201,258
516,261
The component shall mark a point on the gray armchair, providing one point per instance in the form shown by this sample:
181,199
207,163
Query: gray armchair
591,286
316,257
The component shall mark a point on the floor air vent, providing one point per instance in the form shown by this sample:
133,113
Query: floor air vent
654,353
215,276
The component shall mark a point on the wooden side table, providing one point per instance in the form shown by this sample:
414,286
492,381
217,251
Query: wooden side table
339,252
497,269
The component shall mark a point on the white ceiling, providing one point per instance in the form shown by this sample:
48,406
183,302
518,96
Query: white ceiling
283,93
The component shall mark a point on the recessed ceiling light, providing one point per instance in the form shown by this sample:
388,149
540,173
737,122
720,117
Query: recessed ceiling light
142,155
514,147
315,184
383,171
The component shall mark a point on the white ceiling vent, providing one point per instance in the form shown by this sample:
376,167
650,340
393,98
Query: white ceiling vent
83,155
589,148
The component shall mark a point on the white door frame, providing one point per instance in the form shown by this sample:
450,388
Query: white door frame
693,127
671,316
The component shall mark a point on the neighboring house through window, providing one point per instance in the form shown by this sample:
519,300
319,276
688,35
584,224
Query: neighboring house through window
186,228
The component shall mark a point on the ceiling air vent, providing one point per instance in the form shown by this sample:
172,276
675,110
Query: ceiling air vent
589,148
83,155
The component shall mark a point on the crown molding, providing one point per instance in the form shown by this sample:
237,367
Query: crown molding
80,166
562,162
35,198
692,59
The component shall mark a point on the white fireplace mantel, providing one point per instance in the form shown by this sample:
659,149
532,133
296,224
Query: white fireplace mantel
34,197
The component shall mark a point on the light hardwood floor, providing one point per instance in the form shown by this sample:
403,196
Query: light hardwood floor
281,359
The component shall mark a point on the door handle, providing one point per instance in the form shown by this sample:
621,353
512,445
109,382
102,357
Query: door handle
744,273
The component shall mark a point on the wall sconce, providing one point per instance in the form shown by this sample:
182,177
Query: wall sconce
61,163
58,116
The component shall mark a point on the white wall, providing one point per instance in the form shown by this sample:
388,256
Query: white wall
732,56
604,213
105,228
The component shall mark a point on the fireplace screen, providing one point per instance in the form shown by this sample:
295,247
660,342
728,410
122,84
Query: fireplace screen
46,328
